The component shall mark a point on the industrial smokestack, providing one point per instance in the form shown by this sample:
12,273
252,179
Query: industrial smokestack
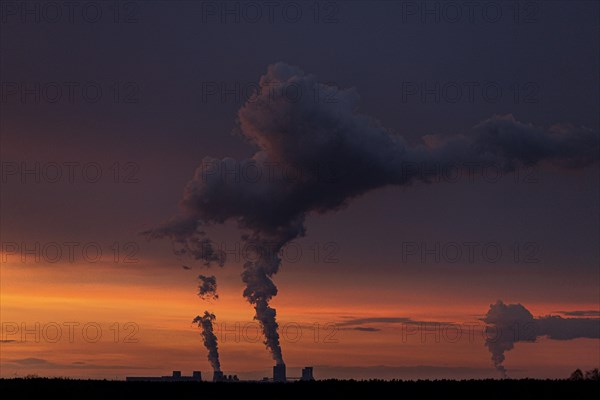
307,374
218,376
279,374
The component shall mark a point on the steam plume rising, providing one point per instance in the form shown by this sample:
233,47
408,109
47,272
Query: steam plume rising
187,240
335,155
207,288
209,337
514,323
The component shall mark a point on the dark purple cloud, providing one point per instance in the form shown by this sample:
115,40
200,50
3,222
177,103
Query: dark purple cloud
315,155
366,329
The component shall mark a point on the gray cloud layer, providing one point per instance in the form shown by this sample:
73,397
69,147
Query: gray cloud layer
356,323
581,313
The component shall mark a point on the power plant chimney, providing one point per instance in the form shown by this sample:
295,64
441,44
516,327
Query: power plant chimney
218,376
307,374
279,373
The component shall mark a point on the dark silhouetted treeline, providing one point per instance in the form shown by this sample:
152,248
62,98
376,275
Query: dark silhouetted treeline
19,388
591,375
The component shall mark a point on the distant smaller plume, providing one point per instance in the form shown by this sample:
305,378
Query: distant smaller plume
207,288
514,323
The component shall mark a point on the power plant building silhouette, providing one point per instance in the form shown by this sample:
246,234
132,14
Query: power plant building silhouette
279,375
176,377
307,374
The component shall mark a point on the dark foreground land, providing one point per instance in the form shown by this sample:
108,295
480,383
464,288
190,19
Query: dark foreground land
331,389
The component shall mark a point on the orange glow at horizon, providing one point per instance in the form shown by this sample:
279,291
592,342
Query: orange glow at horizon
145,327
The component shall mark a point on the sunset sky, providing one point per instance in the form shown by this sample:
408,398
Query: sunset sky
86,174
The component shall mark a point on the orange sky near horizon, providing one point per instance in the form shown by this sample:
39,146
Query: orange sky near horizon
145,325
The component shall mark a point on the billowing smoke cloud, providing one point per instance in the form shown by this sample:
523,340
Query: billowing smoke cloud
207,288
188,240
514,323
209,337
315,152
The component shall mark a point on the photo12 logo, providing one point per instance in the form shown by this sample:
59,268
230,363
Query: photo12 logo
238,92
69,92
270,12
452,92
70,172
291,332
467,11
69,252
470,252
69,12
439,332
292,252
69,332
